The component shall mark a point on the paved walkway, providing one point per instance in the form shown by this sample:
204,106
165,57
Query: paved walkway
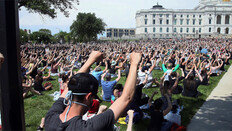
216,112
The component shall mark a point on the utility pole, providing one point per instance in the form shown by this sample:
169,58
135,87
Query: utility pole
12,110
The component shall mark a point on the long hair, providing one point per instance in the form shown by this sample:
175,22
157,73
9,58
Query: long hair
190,82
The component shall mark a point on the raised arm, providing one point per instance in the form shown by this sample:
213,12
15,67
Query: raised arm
199,75
130,122
49,74
168,109
94,56
122,102
152,67
151,98
119,75
106,67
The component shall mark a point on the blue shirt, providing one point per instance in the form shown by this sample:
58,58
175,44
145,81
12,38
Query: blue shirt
107,87
97,75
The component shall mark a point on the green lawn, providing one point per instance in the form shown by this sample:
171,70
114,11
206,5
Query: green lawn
37,106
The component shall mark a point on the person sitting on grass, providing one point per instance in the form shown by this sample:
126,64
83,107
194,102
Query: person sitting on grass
108,86
117,92
39,79
146,70
97,72
169,69
81,90
27,87
191,84
157,121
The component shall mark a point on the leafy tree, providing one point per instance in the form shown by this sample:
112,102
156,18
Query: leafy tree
86,27
68,38
43,35
24,36
48,7
60,37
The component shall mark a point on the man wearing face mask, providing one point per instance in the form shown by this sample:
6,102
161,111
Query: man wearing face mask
66,113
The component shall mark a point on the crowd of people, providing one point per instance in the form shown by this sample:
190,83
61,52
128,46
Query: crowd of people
85,67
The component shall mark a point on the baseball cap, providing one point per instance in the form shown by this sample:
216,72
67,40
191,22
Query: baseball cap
83,83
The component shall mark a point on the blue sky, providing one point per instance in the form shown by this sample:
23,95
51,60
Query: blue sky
115,13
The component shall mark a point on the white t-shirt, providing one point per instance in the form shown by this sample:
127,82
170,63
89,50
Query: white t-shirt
142,76
166,78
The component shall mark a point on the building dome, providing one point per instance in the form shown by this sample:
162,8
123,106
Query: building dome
157,6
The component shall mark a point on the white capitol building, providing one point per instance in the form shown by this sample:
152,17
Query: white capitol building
210,18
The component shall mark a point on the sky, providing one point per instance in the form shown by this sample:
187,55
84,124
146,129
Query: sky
115,13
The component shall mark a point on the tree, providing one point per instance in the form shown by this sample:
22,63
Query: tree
86,27
48,7
43,35
60,37
68,37
24,36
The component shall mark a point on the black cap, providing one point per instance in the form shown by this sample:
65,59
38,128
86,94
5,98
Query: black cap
83,83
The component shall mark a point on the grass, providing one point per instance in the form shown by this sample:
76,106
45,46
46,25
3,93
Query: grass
36,107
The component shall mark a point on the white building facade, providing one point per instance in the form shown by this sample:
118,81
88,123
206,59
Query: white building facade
210,18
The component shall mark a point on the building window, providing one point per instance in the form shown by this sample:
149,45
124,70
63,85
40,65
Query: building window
219,19
154,29
210,21
181,30
227,20
181,16
153,21
209,29
187,16
167,22
167,15
161,21
199,22
188,22
145,29
193,30
161,30
145,21
161,15
167,30
174,29
199,30
227,30
153,15
194,22
175,21
145,16
187,30
181,22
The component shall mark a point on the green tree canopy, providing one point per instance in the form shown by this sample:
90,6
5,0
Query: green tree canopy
43,35
86,27
24,36
60,37
48,7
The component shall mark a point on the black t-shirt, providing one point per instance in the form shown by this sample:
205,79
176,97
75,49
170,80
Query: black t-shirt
156,121
100,122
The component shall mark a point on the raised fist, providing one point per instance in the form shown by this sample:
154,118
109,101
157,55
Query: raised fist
135,58
96,55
